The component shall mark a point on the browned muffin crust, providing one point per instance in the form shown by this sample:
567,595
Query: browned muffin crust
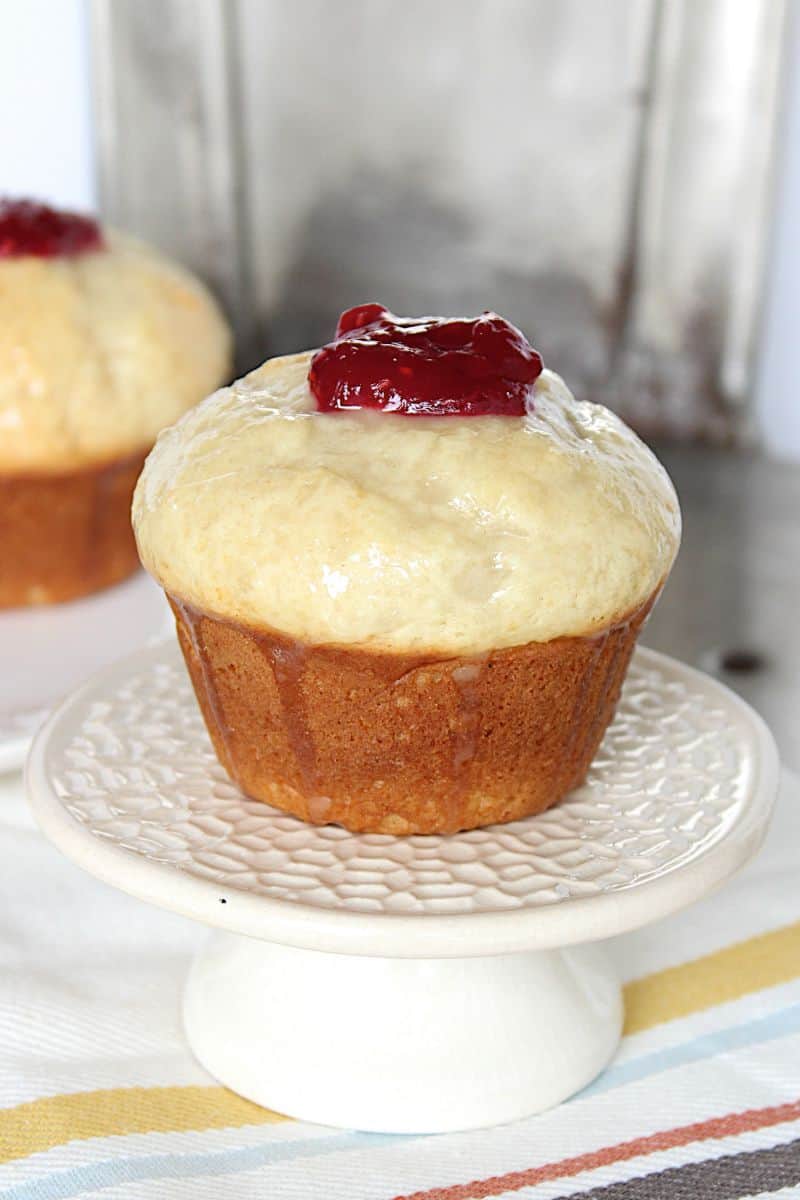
65,534
403,744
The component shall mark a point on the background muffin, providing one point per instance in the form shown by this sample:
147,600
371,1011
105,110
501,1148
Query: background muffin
103,342
405,624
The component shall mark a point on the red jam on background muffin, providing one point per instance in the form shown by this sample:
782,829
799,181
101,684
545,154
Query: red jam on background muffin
103,342
408,572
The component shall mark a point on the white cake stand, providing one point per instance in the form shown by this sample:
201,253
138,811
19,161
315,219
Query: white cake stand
47,651
411,984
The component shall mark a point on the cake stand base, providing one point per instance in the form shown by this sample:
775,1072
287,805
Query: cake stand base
401,1045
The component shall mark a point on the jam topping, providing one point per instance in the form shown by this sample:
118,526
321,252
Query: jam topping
425,366
28,228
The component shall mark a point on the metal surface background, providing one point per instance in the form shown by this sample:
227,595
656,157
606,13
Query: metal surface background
598,172
734,592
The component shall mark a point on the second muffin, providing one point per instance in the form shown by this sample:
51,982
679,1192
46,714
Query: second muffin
103,342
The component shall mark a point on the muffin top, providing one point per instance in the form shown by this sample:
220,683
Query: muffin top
103,341
443,534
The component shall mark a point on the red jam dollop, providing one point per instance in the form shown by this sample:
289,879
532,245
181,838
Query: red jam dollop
425,366
28,228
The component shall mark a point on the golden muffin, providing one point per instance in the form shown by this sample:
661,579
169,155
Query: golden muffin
103,342
400,617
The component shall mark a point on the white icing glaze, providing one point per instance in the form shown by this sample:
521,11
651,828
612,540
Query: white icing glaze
99,352
409,534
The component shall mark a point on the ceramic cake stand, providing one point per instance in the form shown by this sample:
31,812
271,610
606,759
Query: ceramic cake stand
410,984
47,651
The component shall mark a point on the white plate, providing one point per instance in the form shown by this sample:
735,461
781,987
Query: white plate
48,651
124,779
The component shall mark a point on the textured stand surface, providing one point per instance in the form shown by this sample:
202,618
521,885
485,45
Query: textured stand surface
405,984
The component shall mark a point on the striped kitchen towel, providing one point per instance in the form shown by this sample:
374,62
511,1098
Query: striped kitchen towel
100,1097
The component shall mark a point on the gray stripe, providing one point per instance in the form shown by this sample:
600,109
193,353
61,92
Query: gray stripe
727,1178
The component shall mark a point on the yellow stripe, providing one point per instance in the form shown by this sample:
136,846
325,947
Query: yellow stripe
760,962
42,1124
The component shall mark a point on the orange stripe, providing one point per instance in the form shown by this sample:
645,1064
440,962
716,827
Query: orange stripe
683,1135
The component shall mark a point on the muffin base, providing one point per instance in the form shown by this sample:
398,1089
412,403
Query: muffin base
63,535
403,744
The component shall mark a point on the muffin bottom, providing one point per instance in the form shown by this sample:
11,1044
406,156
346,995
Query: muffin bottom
403,744
68,533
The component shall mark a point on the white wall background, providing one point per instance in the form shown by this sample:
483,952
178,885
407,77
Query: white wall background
778,375
45,99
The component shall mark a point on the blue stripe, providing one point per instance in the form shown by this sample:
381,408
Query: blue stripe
764,1029
65,1184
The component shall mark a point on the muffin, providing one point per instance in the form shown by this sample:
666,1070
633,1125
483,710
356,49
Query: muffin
408,572
103,342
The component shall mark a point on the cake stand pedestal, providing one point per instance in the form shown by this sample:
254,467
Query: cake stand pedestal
418,984
405,1045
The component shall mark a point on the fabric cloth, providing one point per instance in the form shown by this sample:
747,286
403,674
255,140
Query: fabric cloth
99,1095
